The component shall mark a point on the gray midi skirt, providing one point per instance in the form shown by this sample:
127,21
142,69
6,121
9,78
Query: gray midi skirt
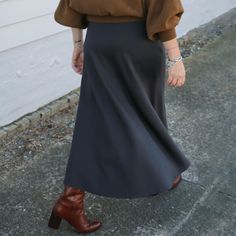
121,147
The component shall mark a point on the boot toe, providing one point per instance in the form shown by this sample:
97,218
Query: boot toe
95,224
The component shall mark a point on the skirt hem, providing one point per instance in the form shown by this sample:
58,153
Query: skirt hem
133,196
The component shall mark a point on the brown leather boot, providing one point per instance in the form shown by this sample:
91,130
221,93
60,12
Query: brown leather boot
70,207
176,182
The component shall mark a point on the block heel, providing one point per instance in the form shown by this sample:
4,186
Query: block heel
70,207
54,221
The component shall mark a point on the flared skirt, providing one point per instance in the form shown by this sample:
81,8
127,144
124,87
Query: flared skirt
121,146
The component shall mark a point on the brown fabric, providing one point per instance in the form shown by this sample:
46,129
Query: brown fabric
161,19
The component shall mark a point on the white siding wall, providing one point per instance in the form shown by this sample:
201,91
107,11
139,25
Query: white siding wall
22,21
35,52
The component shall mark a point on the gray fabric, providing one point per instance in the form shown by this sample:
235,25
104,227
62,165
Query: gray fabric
121,147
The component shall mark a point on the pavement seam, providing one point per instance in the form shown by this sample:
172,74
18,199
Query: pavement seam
227,194
196,205
204,187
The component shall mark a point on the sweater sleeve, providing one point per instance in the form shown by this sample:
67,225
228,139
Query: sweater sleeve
162,18
67,16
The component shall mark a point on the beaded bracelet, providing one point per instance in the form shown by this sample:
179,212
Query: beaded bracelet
170,63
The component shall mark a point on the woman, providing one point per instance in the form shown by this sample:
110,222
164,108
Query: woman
121,147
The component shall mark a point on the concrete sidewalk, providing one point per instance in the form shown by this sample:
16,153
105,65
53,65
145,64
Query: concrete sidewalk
201,119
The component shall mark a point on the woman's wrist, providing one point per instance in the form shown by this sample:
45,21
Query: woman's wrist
77,37
172,49
173,53
78,43
172,62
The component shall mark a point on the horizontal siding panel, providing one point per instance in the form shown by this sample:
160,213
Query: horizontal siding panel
23,21
14,11
34,74
24,32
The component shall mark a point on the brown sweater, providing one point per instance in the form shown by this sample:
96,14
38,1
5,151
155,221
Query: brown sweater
161,15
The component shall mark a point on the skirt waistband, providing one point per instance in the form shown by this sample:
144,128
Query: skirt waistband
113,19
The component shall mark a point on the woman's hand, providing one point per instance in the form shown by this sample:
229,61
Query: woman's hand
176,74
78,58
